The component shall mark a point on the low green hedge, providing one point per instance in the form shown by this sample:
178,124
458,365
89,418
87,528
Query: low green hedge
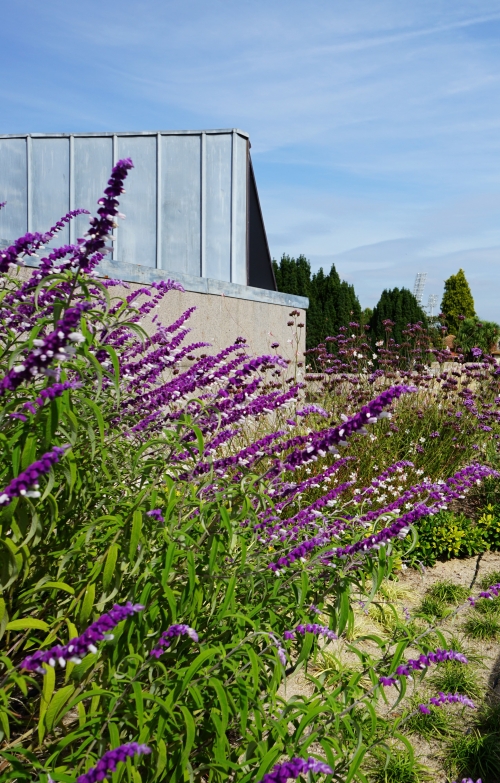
447,535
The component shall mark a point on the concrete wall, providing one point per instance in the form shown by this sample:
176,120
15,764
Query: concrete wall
227,312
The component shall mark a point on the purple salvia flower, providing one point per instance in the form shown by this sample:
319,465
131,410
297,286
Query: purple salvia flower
422,662
446,698
47,349
156,514
279,648
78,648
312,408
108,763
327,441
50,393
26,484
172,632
30,243
290,770
469,780
317,630
491,592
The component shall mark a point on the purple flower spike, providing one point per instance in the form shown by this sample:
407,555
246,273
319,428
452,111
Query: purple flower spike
156,514
290,770
110,760
469,780
450,698
387,682
26,484
422,662
78,648
317,630
491,592
50,393
50,348
171,633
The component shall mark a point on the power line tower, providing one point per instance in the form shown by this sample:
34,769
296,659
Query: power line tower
431,304
418,288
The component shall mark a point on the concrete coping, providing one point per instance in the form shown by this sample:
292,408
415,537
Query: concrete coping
135,273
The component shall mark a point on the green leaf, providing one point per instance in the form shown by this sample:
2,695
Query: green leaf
88,603
58,700
355,763
109,566
198,661
139,702
135,534
26,623
190,734
49,681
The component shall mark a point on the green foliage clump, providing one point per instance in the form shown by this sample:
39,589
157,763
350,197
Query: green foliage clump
432,606
475,755
482,626
400,307
457,300
332,302
400,767
448,592
448,535
453,677
472,333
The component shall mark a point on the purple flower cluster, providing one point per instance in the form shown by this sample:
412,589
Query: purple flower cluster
313,408
469,780
156,514
47,349
328,440
317,630
446,698
50,393
491,592
422,662
26,484
290,770
30,243
80,646
172,632
108,763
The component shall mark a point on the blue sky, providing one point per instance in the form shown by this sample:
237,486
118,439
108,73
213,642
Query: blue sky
374,123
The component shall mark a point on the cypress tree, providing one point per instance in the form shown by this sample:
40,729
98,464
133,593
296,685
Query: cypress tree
332,301
401,307
457,300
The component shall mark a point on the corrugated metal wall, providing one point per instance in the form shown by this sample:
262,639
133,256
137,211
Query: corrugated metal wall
186,201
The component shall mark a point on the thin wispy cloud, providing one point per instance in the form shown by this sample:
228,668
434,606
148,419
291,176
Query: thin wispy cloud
374,123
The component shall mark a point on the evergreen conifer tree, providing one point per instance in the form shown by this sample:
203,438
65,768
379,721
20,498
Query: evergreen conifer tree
457,300
401,307
332,301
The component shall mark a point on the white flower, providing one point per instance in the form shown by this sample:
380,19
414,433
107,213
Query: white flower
374,356
76,337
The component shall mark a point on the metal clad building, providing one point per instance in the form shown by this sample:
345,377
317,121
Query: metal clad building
191,205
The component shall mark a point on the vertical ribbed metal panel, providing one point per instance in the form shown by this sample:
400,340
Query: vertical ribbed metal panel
185,201
239,210
92,160
13,189
50,184
218,207
181,204
137,234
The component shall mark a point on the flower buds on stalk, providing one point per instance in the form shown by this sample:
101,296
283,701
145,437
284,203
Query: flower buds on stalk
78,648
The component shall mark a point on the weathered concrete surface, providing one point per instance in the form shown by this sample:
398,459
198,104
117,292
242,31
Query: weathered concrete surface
219,319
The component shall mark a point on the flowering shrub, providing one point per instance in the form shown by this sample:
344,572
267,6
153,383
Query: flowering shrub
167,578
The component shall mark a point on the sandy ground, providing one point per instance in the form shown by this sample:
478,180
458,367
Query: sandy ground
414,585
